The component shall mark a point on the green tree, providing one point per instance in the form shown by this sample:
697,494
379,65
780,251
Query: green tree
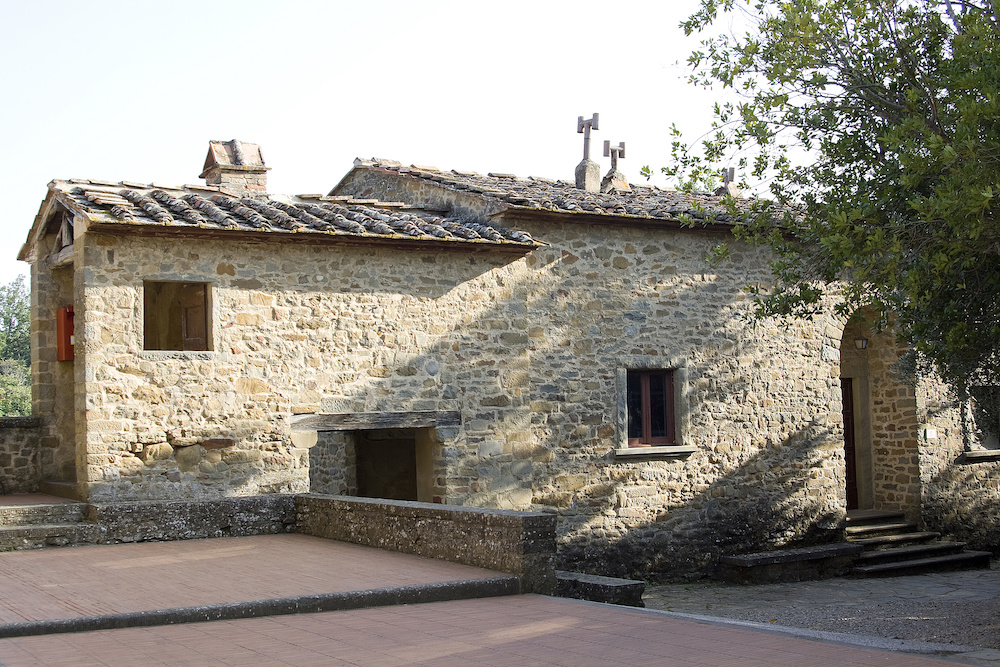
15,388
875,126
15,350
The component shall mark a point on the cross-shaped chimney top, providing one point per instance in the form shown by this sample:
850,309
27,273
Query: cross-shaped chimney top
614,152
584,127
729,186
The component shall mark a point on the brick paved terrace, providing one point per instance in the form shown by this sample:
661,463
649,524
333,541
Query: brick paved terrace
132,582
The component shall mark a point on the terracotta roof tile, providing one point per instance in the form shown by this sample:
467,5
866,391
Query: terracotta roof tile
563,196
201,207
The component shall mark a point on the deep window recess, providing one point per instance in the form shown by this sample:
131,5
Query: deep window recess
650,408
986,411
176,316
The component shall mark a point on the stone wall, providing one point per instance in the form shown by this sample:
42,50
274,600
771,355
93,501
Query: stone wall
332,465
895,422
961,502
521,543
54,396
960,496
531,350
19,454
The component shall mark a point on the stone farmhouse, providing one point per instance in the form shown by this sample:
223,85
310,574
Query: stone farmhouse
484,340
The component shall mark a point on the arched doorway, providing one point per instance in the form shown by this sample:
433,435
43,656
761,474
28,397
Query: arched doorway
881,447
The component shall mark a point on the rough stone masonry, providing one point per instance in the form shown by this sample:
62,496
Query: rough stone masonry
530,347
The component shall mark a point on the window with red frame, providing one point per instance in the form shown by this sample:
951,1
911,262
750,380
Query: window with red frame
650,399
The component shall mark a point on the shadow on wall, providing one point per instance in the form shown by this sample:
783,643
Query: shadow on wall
961,502
538,396
772,500
20,469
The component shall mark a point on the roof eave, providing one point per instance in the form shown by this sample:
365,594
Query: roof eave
582,217
55,196
119,228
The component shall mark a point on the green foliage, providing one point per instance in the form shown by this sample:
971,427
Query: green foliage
875,124
15,388
15,322
15,350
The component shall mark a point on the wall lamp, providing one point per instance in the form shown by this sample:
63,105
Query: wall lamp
861,343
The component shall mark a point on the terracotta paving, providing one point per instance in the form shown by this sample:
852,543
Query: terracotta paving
511,630
47,584
506,631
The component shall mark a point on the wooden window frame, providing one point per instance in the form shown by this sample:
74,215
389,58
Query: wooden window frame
646,439
177,316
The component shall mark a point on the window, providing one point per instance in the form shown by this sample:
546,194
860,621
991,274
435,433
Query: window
650,403
986,413
175,316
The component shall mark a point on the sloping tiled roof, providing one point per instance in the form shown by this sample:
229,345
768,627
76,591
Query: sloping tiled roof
213,208
544,194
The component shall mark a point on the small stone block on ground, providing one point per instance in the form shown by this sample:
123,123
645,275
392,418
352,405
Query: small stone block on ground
596,588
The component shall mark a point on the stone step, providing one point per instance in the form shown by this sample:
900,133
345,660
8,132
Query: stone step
49,535
61,489
878,529
863,517
909,552
786,565
889,541
966,560
33,515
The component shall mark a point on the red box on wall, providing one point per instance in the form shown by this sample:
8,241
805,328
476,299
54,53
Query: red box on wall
64,334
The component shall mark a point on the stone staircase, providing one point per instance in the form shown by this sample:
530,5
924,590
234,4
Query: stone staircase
879,544
32,526
893,546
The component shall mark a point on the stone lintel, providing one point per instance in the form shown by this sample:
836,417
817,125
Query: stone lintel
359,421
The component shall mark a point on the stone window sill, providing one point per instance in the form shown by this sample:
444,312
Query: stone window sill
980,456
656,453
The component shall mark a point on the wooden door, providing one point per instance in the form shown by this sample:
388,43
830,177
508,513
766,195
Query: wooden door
850,458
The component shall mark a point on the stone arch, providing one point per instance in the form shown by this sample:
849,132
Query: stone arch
880,412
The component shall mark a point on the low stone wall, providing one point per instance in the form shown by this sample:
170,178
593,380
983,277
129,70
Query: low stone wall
521,543
19,472
146,521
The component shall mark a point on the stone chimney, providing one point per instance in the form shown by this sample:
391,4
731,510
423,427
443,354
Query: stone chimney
236,166
588,172
729,186
588,175
615,180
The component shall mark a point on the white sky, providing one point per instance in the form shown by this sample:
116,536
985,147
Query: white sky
135,90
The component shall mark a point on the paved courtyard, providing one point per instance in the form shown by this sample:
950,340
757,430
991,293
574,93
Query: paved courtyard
125,582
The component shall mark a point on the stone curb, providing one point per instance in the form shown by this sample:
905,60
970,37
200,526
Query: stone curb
302,604
974,654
